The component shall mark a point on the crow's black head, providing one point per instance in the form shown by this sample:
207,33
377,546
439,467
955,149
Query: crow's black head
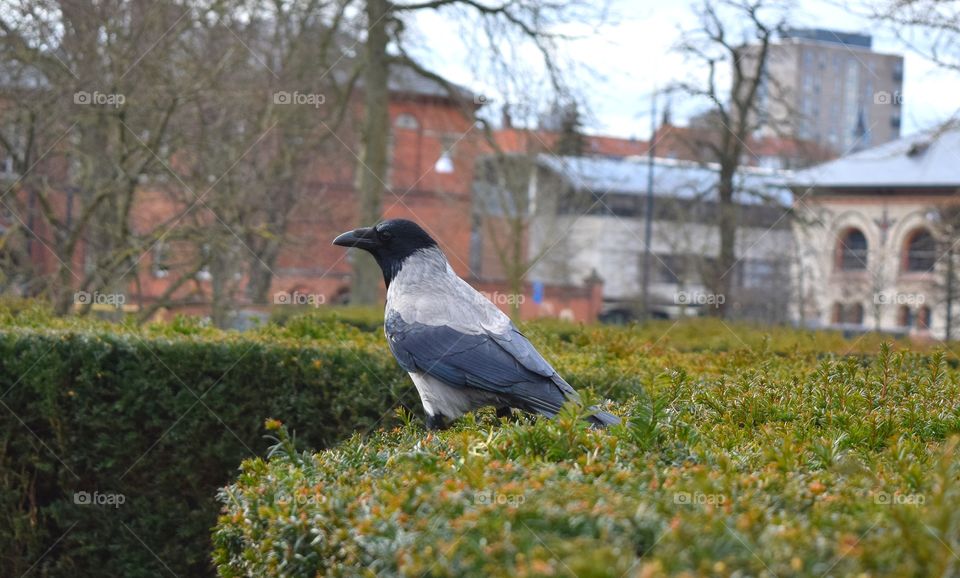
390,242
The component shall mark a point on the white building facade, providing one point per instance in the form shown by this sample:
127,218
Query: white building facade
603,232
874,232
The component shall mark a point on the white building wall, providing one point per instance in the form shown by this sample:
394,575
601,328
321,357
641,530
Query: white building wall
613,246
885,285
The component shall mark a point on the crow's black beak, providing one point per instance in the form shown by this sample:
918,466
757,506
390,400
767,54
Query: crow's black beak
363,238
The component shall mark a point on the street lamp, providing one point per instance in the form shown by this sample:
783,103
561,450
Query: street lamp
444,164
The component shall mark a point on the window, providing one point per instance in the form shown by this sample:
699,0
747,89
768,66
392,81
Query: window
620,205
852,251
847,314
161,267
407,121
923,317
759,273
904,316
854,314
670,269
920,252
204,273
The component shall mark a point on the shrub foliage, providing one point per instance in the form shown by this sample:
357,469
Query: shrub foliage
114,440
753,462
159,419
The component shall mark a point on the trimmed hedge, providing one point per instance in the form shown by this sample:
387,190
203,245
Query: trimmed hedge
113,411
160,417
751,463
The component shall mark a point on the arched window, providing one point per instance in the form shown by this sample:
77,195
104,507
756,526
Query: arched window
161,260
920,252
406,120
852,250
853,314
836,315
904,316
923,317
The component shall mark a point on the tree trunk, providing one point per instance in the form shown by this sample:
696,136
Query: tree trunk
375,133
261,276
517,270
726,258
221,303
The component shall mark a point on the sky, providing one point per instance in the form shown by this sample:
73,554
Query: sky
617,70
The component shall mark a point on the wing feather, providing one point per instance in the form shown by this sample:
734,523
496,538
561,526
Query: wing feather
505,364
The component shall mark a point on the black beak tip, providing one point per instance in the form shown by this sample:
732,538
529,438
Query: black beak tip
360,238
343,240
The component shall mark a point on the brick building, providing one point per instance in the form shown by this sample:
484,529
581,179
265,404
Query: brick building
432,152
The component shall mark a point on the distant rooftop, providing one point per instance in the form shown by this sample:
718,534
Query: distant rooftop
924,160
405,80
671,178
832,36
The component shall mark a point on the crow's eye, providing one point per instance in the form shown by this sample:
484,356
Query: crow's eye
385,235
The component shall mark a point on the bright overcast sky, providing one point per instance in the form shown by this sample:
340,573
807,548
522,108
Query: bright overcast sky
633,56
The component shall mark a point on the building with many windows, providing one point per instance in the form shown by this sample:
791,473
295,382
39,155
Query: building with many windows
587,217
833,89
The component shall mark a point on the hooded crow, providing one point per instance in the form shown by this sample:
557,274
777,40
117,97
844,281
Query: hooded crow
461,351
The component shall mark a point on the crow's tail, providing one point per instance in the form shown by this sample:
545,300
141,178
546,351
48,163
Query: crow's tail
601,419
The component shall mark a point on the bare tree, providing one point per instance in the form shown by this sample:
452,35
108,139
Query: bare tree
516,214
111,107
211,117
930,27
531,22
517,217
737,34
265,125
85,139
944,255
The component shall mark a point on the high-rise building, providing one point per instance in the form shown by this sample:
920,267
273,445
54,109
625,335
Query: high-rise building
833,89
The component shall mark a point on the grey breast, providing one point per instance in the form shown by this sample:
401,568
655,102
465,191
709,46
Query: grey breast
427,291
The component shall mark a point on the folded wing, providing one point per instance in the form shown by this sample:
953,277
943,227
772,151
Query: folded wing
505,364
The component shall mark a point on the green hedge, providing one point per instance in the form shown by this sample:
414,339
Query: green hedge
88,406
756,462
161,416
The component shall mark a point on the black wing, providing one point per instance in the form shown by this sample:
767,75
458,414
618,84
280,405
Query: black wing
507,364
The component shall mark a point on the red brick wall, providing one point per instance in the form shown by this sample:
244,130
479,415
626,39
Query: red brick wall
309,263
441,203
581,304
